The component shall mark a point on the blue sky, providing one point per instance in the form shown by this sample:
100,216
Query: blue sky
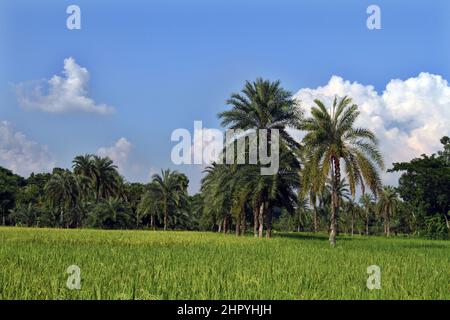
164,64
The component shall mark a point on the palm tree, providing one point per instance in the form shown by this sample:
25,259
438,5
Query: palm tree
387,206
149,205
104,177
83,165
171,189
62,191
265,105
331,137
368,204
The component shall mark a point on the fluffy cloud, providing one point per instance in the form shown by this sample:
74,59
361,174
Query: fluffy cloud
21,155
119,153
68,93
409,117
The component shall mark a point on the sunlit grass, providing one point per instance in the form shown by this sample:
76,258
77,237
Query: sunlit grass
194,265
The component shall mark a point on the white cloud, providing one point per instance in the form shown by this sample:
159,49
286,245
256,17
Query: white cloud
68,93
119,153
409,117
21,155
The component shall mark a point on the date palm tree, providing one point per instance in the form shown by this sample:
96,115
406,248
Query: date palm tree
332,137
62,191
104,177
171,189
368,204
263,104
387,206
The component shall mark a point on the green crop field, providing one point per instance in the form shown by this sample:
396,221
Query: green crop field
194,265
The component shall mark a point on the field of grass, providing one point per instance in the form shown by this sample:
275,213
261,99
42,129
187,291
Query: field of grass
192,265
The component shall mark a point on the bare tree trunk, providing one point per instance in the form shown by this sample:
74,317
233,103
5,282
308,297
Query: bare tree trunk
367,223
243,222
315,218
445,217
388,224
220,227
261,220
225,225
238,224
336,174
353,222
165,215
269,216
255,220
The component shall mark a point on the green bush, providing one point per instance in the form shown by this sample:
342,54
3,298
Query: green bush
435,228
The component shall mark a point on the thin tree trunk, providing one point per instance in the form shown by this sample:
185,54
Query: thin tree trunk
255,220
220,227
269,216
225,225
388,224
336,175
353,222
367,223
243,222
166,214
315,218
238,224
445,217
261,220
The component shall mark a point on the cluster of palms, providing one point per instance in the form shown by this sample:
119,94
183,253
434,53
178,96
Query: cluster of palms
332,146
97,195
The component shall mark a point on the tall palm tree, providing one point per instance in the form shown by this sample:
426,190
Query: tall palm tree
171,189
62,191
105,177
368,204
263,104
83,165
149,205
387,206
331,137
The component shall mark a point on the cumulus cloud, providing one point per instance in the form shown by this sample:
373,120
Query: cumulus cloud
119,153
21,155
60,94
409,116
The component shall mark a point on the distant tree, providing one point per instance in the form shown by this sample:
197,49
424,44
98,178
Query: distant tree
387,206
170,188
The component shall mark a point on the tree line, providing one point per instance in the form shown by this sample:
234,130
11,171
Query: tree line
329,181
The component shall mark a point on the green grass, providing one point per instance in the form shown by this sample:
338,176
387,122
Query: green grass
192,265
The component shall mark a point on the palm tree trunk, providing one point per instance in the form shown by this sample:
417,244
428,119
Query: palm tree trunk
388,224
238,224
243,222
255,220
165,215
367,223
315,218
261,220
225,225
353,223
336,175
269,216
